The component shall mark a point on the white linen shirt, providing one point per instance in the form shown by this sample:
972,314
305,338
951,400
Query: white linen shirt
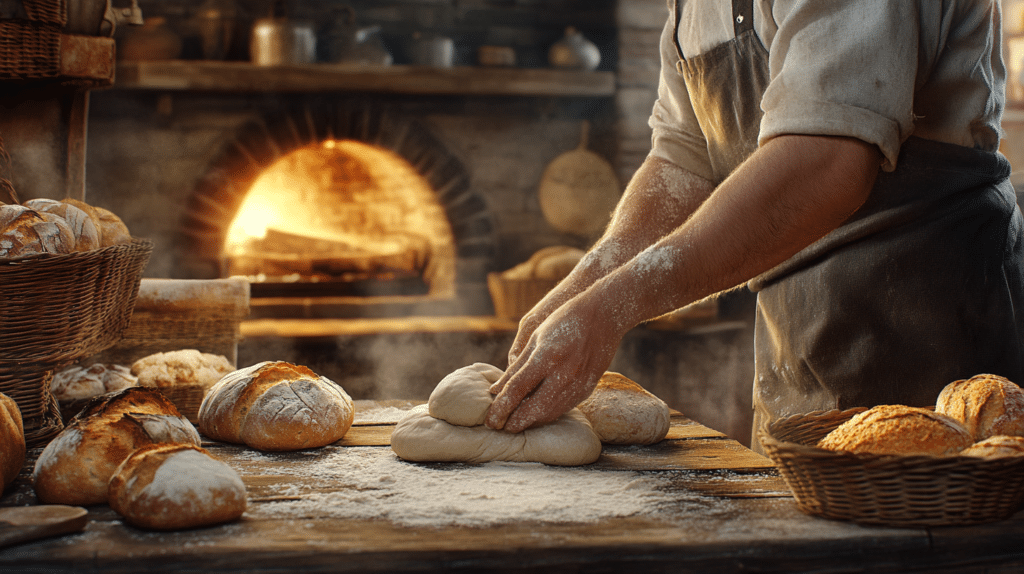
877,70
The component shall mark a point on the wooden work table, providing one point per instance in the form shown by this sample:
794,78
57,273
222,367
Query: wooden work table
740,518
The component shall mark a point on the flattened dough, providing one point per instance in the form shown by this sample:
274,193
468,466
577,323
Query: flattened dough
464,396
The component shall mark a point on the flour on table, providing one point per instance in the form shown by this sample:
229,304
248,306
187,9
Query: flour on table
372,483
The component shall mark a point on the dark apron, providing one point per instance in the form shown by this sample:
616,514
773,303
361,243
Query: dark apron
917,289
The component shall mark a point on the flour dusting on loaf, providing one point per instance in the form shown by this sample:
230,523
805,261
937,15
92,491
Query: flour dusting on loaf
175,486
181,368
276,406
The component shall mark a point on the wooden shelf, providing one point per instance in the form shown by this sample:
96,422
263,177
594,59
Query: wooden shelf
194,75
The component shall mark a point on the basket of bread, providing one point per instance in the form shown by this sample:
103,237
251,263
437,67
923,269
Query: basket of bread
69,276
961,462
515,291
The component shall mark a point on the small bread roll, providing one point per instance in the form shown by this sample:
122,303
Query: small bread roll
24,232
113,231
76,382
549,263
276,406
175,486
75,467
623,412
898,429
996,446
12,441
182,367
987,405
87,236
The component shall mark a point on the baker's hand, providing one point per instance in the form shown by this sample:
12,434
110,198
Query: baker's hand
558,367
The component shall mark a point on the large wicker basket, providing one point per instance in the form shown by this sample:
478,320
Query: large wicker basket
513,298
57,308
30,42
890,490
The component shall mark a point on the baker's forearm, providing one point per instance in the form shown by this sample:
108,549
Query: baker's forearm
791,192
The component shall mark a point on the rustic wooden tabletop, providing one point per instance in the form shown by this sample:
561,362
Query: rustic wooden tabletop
696,502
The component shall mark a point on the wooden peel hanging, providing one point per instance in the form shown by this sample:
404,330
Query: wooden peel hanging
579,190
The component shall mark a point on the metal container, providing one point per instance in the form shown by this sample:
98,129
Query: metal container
281,41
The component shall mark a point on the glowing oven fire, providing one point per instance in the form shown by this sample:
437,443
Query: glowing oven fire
343,216
340,200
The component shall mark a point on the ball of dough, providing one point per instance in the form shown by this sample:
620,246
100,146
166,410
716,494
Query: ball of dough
12,441
898,429
176,486
996,446
182,367
987,405
463,397
87,235
623,412
276,406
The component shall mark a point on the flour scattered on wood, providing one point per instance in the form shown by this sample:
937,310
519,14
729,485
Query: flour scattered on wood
373,483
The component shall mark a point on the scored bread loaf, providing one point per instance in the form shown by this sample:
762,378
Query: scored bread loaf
25,232
12,441
75,467
899,429
175,486
113,231
996,446
87,235
77,382
623,412
987,405
181,368
276,406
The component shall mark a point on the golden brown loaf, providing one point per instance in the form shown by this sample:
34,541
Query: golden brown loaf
24,232
113,231
276,406
898,429
987,405
175,486
623,412
87,236
75,467
12,441
996,446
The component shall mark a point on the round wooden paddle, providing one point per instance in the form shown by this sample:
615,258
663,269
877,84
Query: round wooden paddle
24,523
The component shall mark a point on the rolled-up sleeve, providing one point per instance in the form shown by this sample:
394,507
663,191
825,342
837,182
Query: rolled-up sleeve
676,136
843,68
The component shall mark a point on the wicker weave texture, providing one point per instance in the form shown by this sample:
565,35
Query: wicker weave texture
905,491
513,298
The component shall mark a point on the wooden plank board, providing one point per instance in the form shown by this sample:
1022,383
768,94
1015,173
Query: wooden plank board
689,454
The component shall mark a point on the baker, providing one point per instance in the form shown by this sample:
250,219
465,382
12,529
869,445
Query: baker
839,159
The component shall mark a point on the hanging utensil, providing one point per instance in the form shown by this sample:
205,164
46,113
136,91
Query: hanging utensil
579,190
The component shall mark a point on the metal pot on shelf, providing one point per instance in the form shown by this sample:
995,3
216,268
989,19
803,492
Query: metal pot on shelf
278,40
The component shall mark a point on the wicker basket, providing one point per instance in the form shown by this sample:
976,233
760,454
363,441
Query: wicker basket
513,298
889,490
30,46
187,399
56,309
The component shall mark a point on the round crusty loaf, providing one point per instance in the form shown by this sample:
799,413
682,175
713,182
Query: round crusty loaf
181,367
75,467
996,446
987,405
623,412
898,429
87,236
276,406
24,232
12,441
175,486
113,231
77,382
